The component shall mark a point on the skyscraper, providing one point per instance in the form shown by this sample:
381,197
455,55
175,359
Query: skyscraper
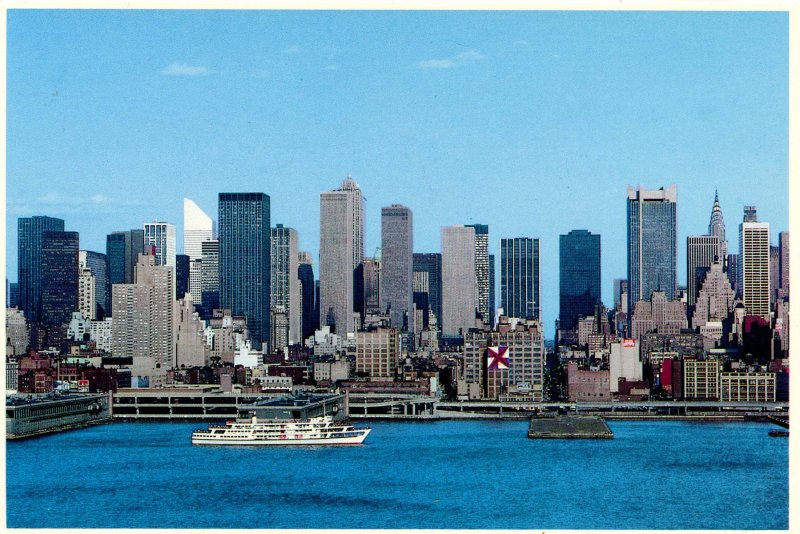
143,325
459,294
197,227
371,279
716,227
620,294
29,254
161,235
579,277
714,299
285,286
652,243
209,277
59,281
341,250
701,252
305,273
97,263
397,250
734,274
520,289
783,244
194,284
754,264
774,271
492,298
244,260
181,275
87,303
431,264
13,295
482,269
122,253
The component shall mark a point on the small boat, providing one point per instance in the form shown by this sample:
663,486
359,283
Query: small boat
779,433
314,431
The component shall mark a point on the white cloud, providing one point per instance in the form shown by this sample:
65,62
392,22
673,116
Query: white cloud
464,58
437,64
469,56
57,202
184,69
332,67
100,199
294,49
52,197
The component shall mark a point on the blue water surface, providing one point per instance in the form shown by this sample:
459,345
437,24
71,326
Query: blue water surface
445,474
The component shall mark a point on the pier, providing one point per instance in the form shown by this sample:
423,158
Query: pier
35,415
569,427
380,406
209,403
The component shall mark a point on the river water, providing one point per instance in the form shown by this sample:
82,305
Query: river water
411,475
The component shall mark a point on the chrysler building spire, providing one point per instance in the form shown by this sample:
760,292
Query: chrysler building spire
716,227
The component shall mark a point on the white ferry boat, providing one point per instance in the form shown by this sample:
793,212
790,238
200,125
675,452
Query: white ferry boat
314,431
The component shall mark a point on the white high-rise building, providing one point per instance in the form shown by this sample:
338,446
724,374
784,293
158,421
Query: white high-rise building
197,227
754,264
285,286
196,280
86,294
341,251
459,296
87,291
101,332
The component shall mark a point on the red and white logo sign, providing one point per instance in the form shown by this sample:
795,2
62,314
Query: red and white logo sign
626,342
498,357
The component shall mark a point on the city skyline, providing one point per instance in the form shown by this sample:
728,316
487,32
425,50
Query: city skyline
461,141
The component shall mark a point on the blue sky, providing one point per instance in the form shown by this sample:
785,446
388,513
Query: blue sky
531,122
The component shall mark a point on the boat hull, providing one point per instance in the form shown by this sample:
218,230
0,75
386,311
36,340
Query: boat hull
349,440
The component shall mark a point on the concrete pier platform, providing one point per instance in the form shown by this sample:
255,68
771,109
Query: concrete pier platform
569,427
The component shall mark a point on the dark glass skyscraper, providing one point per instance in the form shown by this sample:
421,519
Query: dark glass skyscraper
492,301
181,275
209,277
244,261
29,250
59,277
520,278
98,265
122,253
305,272
13,295
579,277
652,243
431,263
